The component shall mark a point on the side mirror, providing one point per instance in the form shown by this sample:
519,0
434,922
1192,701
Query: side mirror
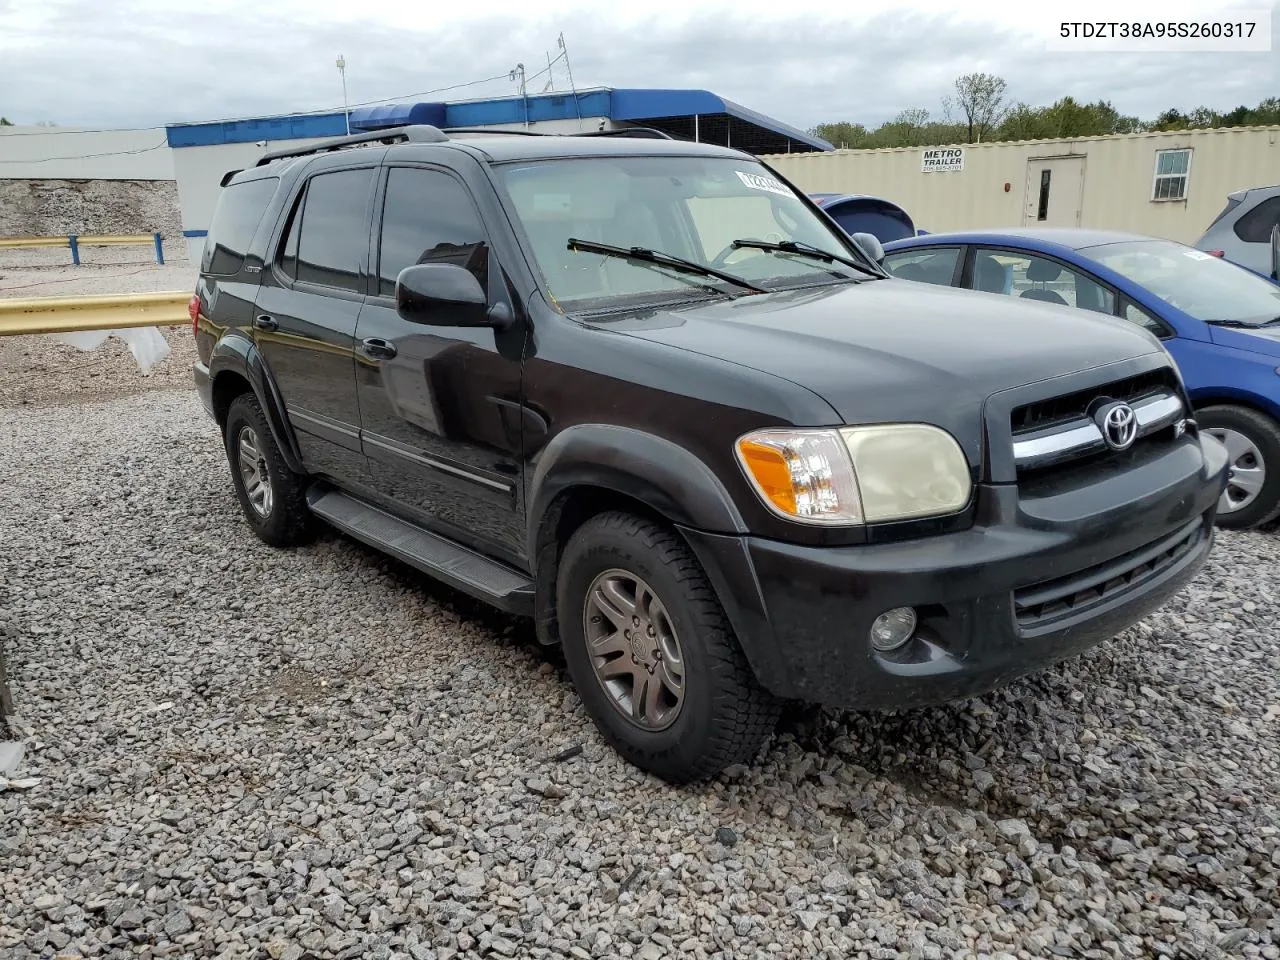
1275,253
870,246
446,295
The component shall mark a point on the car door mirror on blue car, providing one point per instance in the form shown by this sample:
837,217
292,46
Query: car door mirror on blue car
446,295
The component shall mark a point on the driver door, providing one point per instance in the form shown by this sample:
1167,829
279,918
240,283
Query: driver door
439,406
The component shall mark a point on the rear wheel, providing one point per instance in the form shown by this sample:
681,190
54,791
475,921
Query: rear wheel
653,656
1252,439
271,495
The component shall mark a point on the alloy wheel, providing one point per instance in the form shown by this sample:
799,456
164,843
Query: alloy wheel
634,649
253,471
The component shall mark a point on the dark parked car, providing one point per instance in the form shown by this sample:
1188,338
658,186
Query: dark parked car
858,213
1219,321
642,391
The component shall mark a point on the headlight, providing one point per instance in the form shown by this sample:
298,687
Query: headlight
803,474
856,475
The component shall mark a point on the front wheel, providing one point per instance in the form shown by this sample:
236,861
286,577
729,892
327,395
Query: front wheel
1252,439
652,654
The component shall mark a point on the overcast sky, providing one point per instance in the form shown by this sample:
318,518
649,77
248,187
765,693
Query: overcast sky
117,63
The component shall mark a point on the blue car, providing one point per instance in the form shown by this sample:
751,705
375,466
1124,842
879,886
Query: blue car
1220,322
858,213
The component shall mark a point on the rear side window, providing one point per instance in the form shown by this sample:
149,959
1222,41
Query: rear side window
1255,226
235,221
328,232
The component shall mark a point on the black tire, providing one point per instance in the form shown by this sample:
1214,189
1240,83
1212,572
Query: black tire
1264,434
725,715
288,521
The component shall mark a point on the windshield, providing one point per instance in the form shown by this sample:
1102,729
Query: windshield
1198,284
687,207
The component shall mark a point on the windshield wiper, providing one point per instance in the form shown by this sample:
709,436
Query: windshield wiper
1244,324
645,255
803,250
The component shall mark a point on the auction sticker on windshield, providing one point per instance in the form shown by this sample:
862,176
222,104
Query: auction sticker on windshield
757,181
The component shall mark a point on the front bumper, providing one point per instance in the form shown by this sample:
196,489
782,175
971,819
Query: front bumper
1035,580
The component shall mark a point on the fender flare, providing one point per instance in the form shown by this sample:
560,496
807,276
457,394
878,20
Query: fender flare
236,353
663,475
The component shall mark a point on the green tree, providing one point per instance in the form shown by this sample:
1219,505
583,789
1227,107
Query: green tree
5,122
980,98
842,134
1064,118
1266,112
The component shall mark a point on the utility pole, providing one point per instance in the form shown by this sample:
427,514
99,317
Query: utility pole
577,107
518,75
342,69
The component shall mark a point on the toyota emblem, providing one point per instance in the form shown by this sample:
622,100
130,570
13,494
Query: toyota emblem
1119,425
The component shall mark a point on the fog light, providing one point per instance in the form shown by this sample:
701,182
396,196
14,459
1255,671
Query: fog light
893,628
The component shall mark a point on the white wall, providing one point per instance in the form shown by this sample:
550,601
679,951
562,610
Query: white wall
200,171
70,153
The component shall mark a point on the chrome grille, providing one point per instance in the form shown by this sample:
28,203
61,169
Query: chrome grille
1080,436
1052,411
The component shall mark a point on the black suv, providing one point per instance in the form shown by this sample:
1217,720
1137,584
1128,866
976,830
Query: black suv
646,392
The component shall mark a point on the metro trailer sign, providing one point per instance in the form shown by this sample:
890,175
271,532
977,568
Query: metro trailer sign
942,160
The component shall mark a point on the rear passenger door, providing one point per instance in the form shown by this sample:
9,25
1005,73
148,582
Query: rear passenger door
305,317
440,406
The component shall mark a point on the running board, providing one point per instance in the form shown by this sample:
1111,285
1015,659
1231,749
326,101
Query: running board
460,567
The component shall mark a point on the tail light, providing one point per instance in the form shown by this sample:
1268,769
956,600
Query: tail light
193,311
1216,253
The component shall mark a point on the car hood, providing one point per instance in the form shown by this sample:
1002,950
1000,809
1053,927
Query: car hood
895,350
1263,340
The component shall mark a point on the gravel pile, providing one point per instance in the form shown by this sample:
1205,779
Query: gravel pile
245,752
55,208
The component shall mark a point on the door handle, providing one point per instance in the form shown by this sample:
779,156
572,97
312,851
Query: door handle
377,348
264,322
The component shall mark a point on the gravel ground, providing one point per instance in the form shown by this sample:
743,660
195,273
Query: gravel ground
255,753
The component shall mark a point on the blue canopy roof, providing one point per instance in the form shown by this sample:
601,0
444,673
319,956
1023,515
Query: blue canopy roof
687,114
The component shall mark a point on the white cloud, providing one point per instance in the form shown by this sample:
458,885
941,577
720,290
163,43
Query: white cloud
72,62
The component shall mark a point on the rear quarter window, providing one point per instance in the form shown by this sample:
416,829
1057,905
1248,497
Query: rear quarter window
235,220
1255,226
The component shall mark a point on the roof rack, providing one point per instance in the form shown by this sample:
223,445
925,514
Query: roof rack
496,131
643,133
415,133
647,133
425,133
